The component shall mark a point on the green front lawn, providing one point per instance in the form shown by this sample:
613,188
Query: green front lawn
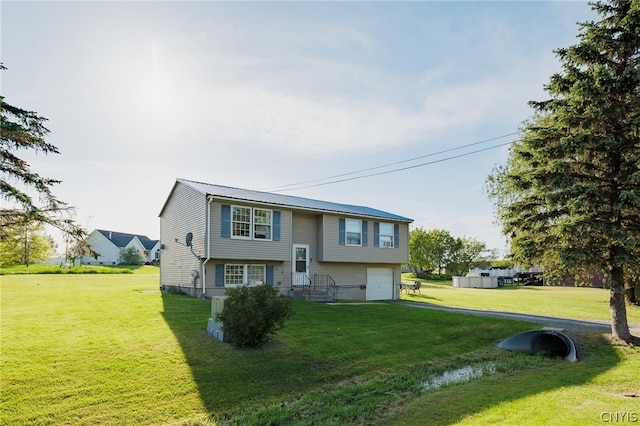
568,302
111,349
77,269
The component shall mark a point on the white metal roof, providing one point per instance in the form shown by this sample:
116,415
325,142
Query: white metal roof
230,193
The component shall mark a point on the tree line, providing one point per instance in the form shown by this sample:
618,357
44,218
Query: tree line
28,243
437,251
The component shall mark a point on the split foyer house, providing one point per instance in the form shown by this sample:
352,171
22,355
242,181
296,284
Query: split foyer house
215,237
108,245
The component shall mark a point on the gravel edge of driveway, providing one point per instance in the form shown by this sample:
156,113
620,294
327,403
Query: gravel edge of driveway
569,324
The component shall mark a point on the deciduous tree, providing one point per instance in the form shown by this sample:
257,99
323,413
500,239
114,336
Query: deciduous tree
468,253
569,195
418,256
436,249
24,244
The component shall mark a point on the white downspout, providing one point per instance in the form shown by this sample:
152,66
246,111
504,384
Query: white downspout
208,244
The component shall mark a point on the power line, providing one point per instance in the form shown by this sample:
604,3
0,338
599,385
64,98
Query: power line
285,188
277,189
397,170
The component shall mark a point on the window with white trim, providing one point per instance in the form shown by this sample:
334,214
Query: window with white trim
233,274
251,223
240,222
386,235
238,275
262,224
353,229
255,274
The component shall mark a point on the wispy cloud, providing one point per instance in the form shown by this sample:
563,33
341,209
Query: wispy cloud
257,94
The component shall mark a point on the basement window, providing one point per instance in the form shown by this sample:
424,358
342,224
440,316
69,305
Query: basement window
236,275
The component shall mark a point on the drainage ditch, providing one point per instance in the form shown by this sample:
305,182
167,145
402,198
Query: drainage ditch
464,374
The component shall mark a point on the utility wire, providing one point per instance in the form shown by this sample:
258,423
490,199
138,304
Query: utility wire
285,188
277,189
397,170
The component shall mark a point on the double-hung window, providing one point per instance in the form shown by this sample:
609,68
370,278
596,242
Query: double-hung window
255,274
233,275
251,223
238,275
353,230
262,224
386,235
241,222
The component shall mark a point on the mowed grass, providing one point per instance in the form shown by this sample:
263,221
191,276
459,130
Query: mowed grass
77,269
567,302
81,349
110,349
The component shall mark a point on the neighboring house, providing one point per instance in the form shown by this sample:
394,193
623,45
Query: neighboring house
215,237
108,245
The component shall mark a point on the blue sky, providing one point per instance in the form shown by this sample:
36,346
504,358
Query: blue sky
265,94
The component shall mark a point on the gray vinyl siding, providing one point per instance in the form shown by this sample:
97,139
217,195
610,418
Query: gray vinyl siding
347,265
305,230
333,251
184,211
219,290
187,210
252,250
350,278
353,275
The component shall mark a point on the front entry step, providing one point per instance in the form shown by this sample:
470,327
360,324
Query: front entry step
311,295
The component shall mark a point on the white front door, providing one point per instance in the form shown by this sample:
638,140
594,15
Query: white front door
300,265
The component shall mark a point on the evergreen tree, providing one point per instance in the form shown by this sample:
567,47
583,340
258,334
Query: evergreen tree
569,195
25,130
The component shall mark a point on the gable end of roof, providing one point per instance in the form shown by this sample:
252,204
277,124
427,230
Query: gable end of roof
122,239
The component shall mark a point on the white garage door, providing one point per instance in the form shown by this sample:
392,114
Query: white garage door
379,283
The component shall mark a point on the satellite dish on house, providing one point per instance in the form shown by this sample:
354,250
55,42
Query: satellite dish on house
189,239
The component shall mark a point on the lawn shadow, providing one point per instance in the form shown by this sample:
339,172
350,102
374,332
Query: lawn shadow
520,287
208,359
228,377
205,356
422,297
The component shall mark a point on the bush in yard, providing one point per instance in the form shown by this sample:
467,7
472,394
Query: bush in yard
130,256
251,314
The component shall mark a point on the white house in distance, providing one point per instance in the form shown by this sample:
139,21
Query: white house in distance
108,245
216,237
